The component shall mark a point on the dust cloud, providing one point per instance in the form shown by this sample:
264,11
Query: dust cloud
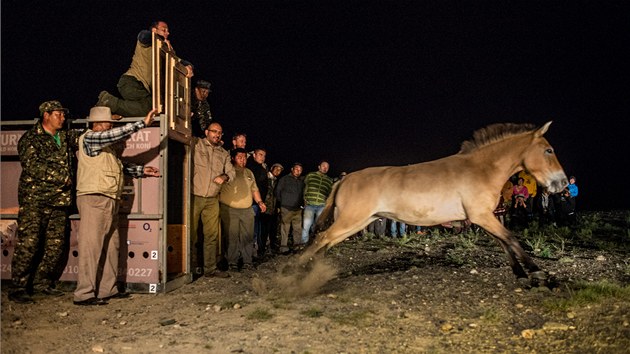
294,279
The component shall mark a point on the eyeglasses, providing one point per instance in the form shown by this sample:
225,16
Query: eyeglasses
216,131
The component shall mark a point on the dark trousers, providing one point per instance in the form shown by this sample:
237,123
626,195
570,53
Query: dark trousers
257,225
238,225
136,100
269,231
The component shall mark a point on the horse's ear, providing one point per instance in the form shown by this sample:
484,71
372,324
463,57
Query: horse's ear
540,132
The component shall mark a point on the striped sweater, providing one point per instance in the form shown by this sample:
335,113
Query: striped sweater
317,188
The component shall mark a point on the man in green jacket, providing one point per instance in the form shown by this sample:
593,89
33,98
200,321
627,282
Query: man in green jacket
317,187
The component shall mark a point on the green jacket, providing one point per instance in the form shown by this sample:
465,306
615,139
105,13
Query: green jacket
317,187
47,171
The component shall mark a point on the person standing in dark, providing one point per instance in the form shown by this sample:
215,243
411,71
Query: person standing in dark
212,167
201,116
563,207
573,188
290,199
44,195
237,216
269,219
546,208
573,192
317,187
256,164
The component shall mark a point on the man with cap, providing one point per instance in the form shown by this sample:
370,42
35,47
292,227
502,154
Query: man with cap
269,219
99,188
44,195
200,109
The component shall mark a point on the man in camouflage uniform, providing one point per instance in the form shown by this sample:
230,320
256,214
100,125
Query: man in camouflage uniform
200,109
44,195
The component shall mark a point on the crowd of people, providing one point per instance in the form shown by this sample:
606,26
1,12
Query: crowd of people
239,206
521,203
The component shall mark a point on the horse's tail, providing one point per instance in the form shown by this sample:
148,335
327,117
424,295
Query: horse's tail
324,220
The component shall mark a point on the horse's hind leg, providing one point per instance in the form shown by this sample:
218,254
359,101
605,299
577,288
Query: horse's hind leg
341,229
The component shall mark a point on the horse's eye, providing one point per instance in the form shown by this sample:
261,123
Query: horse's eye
549,151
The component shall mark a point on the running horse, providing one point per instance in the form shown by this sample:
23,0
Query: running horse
461,186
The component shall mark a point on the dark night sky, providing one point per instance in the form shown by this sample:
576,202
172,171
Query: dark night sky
360,83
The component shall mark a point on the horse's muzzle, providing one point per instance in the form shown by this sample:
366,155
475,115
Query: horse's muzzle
557,185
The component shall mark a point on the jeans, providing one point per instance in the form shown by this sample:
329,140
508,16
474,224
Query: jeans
394,226
311,213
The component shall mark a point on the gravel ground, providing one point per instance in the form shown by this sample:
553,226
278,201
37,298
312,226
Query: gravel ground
425,295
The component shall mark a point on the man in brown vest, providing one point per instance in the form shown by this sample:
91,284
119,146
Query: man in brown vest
99,188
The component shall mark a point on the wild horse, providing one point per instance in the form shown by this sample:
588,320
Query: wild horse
462,186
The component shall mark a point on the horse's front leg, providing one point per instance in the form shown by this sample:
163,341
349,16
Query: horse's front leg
344,227
512,248
316,247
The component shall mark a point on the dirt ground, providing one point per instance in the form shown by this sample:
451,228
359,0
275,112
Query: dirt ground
367,296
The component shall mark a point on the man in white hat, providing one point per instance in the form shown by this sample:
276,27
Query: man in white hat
99,188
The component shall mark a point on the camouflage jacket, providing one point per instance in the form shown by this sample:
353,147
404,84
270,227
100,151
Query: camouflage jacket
47,171
201,117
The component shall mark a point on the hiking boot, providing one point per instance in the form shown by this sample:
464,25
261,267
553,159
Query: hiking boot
52,292
105,99
248,266
21,297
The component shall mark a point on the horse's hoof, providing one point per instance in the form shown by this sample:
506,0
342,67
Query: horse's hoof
538,275
524,283
304,259
539,279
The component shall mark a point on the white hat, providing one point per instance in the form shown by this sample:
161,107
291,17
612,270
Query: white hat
101,114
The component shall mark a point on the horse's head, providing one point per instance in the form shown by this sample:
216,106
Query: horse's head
541,162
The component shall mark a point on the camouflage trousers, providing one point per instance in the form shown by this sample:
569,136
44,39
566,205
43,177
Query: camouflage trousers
41,249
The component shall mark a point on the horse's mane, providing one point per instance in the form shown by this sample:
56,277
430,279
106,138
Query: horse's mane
494,133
